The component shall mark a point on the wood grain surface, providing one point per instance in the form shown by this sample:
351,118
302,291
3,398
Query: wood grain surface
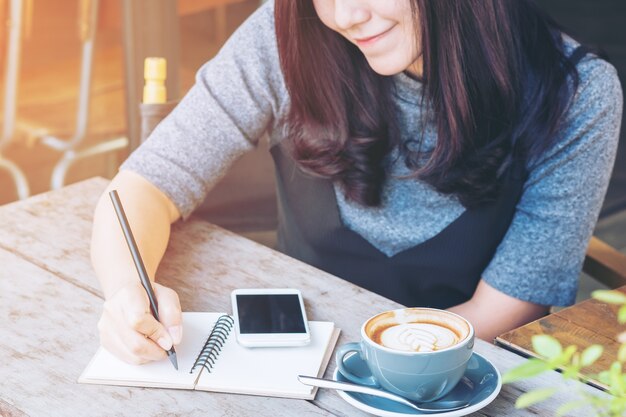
50,294
584,324
51,338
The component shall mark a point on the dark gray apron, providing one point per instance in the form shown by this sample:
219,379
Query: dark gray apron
440,272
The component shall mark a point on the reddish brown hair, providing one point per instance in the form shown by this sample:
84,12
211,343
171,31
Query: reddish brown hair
495,77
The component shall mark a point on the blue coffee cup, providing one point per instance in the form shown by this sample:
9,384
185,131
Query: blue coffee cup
414,367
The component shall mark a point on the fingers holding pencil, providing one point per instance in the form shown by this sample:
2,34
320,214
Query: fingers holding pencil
166,332
117,334
128,329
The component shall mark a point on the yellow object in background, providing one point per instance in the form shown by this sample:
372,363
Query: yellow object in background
154,73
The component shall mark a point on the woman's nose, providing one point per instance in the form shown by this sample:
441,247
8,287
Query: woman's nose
349,13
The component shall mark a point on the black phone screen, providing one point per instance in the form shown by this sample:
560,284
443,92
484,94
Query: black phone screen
269,313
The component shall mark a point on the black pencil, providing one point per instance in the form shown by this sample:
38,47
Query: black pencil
141,269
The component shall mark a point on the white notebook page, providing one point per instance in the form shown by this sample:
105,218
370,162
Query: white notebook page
270,371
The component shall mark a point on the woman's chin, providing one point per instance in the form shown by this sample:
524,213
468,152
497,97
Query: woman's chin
382,67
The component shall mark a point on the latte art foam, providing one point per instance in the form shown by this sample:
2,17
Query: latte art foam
418,337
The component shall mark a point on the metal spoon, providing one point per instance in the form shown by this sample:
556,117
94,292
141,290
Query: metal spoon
448,405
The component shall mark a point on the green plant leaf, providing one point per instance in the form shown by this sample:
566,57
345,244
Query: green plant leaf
621,353
600,404
615,370
533,397
590,355
570,372
609,296
616,384
616,407
565,358
547,346
569,406
528,369
619,405
604,377
568,353
621,314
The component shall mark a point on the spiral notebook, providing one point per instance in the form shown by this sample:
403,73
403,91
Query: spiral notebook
210,359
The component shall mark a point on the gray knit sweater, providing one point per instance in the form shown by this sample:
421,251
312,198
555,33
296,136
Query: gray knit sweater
240,95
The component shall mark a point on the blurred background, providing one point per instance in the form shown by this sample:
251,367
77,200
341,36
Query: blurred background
72,77
72,73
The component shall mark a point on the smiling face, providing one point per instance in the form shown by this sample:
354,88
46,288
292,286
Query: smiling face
383,30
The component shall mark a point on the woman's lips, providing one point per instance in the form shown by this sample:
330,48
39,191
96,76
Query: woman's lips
372,39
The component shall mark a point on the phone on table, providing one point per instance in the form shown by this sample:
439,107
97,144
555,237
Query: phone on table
270,317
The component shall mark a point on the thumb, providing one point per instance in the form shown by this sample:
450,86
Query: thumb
170,313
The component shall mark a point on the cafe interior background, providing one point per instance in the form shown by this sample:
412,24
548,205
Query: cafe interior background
42,89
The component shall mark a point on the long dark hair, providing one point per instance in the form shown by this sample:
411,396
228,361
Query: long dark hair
496,81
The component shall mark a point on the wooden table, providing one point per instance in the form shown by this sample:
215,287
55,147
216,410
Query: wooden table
50,303
584,324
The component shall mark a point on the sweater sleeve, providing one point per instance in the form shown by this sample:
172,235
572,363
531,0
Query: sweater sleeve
541,256
236,98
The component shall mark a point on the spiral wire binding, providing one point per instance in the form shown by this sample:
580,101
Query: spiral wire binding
214,343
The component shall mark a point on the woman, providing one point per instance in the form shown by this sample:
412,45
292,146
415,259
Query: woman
441,153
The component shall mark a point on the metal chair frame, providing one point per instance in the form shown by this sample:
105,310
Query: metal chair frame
11,80
69,148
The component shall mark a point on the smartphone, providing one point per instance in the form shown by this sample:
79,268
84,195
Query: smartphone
270,317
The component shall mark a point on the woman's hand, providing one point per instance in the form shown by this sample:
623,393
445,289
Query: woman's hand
129,331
